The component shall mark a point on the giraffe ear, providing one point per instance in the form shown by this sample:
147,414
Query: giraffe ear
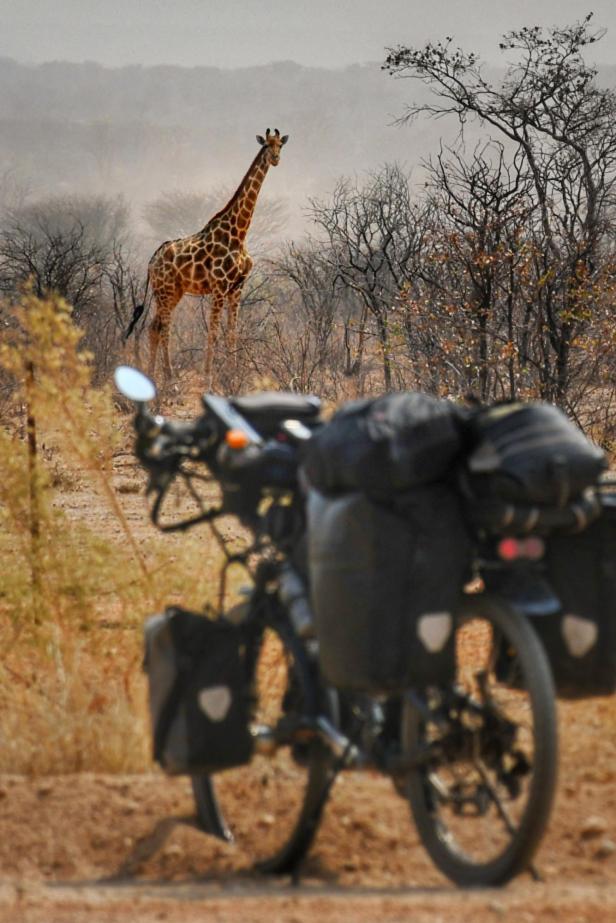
284,139
260,139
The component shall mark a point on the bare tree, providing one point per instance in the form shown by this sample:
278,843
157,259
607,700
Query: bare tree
470,272
317,297
61,245
561,125
79,248
375,233
51,259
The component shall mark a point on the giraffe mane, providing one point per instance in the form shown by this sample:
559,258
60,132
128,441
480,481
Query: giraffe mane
236,194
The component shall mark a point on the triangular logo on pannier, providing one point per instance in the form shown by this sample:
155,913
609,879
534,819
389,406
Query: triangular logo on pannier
434,629
215,702
579,634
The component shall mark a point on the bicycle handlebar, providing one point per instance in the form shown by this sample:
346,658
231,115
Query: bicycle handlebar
242,468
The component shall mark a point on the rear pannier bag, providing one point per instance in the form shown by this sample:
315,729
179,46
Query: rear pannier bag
384,585
581,640
530,454
198,692
382,446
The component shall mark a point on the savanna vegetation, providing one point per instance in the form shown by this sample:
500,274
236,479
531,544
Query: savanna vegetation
496,276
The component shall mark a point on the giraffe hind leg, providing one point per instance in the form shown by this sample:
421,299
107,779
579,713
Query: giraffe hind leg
164,345
154,337
159,336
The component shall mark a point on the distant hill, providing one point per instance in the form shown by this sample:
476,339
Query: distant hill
144,130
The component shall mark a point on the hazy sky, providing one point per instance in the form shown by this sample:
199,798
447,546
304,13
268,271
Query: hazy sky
233,33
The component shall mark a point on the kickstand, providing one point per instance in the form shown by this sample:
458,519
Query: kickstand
535,874
315,816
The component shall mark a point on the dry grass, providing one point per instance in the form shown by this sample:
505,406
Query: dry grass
77,578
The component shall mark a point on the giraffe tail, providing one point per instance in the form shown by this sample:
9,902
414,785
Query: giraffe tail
137,312
133,323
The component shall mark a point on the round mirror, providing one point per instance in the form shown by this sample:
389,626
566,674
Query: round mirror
134,384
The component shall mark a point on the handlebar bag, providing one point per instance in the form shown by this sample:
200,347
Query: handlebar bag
530,454
198,692
384,584
383,446
580,640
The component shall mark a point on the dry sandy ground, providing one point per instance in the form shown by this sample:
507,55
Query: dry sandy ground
105,849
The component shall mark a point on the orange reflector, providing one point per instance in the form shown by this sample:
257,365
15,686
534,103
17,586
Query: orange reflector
237,439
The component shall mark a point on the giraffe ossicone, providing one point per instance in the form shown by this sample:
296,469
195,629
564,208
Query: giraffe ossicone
214,262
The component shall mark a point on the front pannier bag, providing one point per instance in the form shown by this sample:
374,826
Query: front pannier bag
531,454
384,585
198,692
581,640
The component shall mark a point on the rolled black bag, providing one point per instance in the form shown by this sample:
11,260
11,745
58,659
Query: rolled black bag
580,640
384,584
384,446
530,454
199,693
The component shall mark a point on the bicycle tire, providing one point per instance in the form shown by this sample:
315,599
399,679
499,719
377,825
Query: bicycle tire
271,807
449,837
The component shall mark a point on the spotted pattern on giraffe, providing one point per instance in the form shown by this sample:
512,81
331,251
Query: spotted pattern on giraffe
212,262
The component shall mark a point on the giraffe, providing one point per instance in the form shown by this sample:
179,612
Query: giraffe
211,262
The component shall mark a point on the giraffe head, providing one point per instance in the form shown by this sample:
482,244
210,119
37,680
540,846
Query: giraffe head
272,144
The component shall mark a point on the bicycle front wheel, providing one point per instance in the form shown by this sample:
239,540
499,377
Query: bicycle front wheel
271,807
483,783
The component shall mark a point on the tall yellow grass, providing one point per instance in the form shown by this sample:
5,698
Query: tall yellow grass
75,586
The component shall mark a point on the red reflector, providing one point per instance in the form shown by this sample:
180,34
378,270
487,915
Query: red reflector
508,549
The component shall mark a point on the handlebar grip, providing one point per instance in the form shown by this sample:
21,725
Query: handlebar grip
182,432
167,434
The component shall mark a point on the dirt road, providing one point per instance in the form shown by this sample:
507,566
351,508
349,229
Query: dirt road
258,904
107,849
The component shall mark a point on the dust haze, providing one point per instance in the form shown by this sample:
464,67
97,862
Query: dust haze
130,100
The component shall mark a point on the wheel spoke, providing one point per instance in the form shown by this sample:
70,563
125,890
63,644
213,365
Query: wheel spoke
481,803
500,807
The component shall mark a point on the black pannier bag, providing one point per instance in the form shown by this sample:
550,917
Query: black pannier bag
199,694
581,640
384,584
530,454
394,443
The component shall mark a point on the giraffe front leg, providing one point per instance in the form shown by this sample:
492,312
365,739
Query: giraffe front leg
233,303
212,336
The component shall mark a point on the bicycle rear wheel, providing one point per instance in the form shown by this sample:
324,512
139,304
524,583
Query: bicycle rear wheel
271,807
482,791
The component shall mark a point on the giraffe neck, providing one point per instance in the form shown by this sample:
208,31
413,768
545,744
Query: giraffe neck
240,208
